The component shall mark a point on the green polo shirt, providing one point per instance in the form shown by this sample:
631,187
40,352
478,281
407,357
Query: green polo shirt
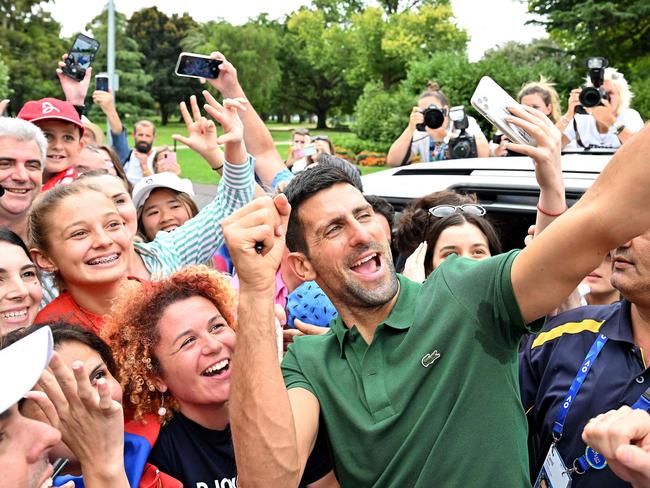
434,400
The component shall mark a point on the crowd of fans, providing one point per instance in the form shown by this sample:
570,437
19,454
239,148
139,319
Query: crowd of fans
267,339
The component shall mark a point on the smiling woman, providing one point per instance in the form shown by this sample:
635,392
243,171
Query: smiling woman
173,341
20,290
77,234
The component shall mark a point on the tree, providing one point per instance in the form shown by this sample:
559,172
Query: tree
616,29
397,6
4,80
315,58
338,11
379,115
159,38
385,44
252,48
133,98
30,46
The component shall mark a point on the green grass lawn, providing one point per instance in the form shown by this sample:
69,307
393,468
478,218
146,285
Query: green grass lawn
197,170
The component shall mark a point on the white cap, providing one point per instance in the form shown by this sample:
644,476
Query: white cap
22,364
146,185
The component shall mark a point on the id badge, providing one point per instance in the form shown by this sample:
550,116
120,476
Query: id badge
554,473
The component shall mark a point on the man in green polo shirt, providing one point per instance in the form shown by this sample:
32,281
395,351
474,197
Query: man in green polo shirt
415,384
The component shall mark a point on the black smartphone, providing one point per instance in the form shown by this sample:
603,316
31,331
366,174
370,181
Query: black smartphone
197,66
101,82
80,57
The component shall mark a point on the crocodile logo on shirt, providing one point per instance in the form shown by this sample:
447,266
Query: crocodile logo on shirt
429,359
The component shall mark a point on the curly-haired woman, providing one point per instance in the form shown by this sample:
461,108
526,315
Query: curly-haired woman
173,341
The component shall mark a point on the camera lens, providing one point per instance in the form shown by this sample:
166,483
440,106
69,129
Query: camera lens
461,150
589,97
433,117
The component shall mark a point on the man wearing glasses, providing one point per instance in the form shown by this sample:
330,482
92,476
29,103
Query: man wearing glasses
416,385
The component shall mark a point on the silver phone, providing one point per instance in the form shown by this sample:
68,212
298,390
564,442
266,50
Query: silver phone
492,102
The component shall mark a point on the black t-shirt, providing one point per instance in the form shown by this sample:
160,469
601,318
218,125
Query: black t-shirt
205,458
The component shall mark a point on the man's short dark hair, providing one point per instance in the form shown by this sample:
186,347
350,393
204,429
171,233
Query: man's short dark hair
305,185
382,207
352,171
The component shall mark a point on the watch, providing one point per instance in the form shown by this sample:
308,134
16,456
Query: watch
619,128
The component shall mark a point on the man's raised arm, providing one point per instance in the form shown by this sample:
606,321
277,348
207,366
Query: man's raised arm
613,211
271,443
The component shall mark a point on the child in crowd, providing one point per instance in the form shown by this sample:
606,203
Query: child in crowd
64,131
164,203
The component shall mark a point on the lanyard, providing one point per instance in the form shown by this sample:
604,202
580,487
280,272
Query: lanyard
591,458
590,359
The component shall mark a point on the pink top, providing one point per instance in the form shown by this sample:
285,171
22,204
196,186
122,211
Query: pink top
281,290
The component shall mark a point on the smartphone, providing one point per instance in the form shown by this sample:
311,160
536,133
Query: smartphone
168,158
101,82
197,66
303,152
492,102
80,57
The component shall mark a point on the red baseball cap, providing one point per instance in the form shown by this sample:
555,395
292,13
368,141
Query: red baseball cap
50,108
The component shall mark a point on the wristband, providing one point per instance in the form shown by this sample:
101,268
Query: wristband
549,214
217,169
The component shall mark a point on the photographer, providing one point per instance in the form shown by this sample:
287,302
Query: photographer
431,143
608,123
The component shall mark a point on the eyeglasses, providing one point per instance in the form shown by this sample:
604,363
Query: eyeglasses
447,210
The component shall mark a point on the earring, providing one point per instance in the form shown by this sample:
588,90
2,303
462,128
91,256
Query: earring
162,411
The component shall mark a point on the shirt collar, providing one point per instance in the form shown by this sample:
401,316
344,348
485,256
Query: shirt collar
619,326
399,318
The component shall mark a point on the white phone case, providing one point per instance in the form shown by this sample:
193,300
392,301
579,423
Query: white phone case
180,57
492,101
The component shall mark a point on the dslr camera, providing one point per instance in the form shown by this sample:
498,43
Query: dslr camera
592,96
463,146
434,116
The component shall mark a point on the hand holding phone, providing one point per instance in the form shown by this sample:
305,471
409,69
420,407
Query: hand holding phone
492,102
80,57
197,66
101,82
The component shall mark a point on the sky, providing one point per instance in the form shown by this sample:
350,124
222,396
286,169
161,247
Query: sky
489,23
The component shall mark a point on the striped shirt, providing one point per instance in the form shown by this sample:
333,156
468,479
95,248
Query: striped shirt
197,240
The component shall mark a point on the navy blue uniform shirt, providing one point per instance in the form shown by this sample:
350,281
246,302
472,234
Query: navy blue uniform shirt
548,365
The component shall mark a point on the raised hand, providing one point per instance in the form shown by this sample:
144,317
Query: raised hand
104,100
547,158
415,118
202,134
227,116
414,266
90,421
603,113
574,101
227,82
546,154
263,221
74,91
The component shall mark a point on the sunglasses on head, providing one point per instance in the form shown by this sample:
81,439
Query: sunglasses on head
447,210
320,138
